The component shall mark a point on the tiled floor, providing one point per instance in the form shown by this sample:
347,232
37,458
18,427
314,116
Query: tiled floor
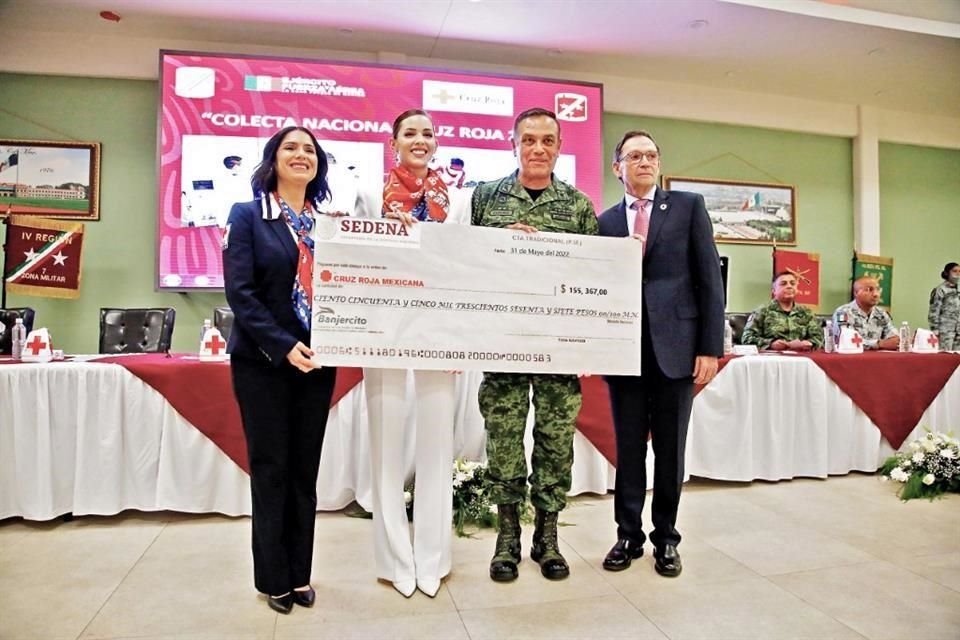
818,559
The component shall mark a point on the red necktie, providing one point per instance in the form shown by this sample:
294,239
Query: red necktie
641,220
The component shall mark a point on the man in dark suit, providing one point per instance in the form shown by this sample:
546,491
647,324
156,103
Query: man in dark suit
682,337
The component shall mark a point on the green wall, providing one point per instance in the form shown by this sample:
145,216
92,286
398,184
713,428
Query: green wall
119,254
919,222
820,167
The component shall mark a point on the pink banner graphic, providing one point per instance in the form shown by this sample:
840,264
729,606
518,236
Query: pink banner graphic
217,112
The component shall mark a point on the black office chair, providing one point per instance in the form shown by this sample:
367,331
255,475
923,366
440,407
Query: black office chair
8,317
737,322
223,321
136,330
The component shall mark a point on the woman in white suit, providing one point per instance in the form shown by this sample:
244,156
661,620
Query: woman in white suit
414,194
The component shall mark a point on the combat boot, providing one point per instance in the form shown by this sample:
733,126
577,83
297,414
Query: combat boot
506,557
545,550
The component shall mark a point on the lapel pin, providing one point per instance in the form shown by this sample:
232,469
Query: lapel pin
663,206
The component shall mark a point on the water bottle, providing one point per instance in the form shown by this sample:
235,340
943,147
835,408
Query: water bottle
18,338
828,337
207,325
904,337
727,338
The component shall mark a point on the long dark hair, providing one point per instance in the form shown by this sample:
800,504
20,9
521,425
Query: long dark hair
264,179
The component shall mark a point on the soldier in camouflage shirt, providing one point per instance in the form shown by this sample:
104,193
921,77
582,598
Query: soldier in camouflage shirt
529,200
944,313
872,323
782,324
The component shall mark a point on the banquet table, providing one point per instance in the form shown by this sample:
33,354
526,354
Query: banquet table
98,435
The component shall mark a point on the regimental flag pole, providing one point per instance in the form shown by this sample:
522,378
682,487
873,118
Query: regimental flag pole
3,280
13,160
773,257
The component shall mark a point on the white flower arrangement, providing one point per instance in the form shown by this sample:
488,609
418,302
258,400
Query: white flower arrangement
471,498
471,502
928,468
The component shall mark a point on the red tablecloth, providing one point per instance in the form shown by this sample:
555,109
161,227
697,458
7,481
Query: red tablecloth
893,389
595,420
202,393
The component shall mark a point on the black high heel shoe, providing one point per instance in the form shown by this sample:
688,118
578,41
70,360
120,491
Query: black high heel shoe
305,598
281,604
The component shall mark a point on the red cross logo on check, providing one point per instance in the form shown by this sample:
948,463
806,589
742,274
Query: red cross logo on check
932,340
856,340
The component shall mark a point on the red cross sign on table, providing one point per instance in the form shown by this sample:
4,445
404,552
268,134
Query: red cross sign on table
856,340
36,345
215,344
932,340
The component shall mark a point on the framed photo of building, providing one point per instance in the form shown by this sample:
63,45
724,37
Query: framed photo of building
50,179
745,212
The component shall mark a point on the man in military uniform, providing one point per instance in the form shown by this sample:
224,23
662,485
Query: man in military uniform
782,324
944,311
529,200
862,314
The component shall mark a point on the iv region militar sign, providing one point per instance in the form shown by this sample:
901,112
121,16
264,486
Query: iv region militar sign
43,257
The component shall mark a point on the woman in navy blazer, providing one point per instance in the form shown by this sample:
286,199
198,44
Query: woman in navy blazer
283,395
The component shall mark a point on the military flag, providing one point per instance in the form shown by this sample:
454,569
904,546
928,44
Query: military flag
43,257
806,268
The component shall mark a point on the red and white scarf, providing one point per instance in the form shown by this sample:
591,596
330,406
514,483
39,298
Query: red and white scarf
403,193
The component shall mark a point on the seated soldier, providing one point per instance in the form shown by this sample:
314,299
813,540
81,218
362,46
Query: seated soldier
782,324
872,323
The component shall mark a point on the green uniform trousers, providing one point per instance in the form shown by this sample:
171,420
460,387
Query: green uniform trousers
504,400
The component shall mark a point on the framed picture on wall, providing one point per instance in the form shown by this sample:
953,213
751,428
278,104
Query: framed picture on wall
50,179
745,212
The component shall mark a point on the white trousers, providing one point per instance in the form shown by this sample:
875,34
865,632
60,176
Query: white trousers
429,555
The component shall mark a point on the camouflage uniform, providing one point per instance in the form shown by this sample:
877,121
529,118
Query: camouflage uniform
872,328
770,322
504,397
944,315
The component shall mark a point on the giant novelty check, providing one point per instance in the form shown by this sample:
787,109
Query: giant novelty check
439,296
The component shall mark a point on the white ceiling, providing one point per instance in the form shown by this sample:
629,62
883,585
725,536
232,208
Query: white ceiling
903,56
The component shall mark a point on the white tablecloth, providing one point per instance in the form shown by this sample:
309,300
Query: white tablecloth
89,438
775,417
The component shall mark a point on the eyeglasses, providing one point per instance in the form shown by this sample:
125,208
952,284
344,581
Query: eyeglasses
635,157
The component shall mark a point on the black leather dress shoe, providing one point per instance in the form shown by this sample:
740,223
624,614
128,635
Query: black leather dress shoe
667,561
621,555
281,604
305,598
